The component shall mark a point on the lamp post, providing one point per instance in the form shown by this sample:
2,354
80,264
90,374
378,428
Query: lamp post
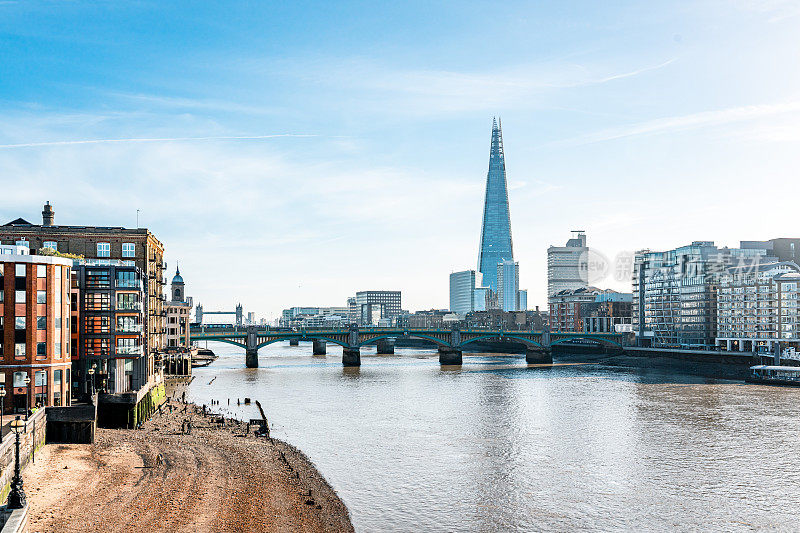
2,409
16,497
91,379
27,395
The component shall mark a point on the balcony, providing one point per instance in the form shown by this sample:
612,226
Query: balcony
130,328
129,308
129,350
129,284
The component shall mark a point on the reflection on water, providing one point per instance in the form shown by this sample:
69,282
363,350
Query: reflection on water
498,445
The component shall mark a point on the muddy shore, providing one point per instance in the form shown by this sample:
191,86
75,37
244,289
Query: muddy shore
158,478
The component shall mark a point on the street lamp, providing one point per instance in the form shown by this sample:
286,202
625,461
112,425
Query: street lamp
16,497
91,378
27,395
2,409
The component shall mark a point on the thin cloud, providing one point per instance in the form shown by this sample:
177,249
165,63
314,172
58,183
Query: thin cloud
151,140
683,122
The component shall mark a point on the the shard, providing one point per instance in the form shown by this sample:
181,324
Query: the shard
496,244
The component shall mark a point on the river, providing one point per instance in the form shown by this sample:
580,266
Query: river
498,446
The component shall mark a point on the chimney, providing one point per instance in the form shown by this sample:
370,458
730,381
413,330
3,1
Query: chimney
48,215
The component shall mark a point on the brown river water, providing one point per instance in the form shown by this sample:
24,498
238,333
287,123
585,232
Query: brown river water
500,446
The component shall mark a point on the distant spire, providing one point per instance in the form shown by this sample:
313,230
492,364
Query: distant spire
177,268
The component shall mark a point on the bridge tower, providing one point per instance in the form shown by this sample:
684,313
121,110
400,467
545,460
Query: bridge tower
198,313
239,315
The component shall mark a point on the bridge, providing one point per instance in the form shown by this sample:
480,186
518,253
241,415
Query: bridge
450,343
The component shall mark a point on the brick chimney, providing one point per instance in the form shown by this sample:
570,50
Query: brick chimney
48,215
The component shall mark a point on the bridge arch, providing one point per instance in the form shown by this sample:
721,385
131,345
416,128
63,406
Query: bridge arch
601,340
225,340
438,342
527,342
302,338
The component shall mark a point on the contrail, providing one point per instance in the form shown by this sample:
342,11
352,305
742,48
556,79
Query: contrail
152,140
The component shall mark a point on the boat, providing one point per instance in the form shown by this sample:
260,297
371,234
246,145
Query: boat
203,357
775,375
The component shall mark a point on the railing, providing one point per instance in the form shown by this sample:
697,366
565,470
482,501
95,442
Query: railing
129,307
129,350
129,284
132,328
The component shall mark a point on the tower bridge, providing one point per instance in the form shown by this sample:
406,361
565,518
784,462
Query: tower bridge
450,343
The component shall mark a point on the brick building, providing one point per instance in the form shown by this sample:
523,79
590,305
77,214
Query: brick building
35,347
100,242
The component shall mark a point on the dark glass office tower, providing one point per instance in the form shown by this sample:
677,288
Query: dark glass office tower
496,232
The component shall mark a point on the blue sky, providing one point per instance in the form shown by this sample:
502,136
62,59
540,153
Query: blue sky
292,153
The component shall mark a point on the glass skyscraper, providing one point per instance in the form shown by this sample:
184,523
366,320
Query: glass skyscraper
496,244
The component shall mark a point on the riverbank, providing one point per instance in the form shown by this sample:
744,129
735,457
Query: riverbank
159,479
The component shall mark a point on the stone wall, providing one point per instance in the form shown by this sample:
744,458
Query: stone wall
30,441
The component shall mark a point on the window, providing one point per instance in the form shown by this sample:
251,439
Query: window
53,245
57,349
19,349
41,271
103,249
1,292
41,297
19,322
128,249
19,297
58,322
19,379
41,322
20,270
40,349
1,347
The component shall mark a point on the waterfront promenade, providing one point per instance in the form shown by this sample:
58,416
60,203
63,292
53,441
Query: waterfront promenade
215,479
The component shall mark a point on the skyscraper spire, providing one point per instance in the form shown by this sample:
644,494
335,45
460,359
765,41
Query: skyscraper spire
496,244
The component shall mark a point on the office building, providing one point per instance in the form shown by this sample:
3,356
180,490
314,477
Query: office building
34,329
508,285
566,265
496,245
370,307
462,292
103,243
523,300
758,306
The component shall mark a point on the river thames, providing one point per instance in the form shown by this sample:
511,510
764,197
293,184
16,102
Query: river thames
499,446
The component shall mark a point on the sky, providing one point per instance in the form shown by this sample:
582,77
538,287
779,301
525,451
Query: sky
293,153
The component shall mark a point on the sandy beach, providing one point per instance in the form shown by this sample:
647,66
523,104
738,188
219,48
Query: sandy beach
158,478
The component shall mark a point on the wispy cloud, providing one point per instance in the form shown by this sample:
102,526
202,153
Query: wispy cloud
683,122
151,140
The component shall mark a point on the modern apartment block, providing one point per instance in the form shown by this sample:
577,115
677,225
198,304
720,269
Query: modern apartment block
675,292
566,265
113,341
102,243
758,306
462,292
34,329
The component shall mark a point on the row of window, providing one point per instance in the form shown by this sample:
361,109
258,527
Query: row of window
20,349
103,248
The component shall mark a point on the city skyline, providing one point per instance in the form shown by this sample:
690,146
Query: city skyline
292,139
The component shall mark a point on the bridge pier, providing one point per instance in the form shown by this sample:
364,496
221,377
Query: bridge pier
449,356
539,357
351,356
251,358
385,347
319,347
294,342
